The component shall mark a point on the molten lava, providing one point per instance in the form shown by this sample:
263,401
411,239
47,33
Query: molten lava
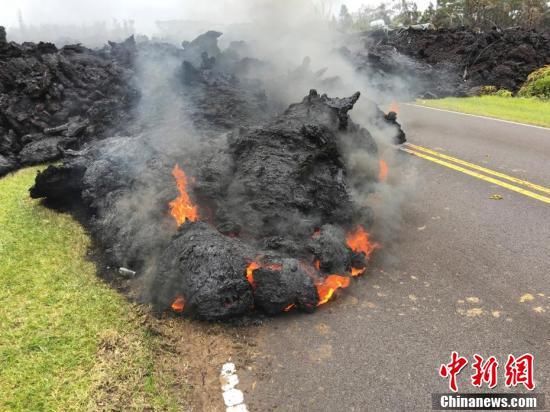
357,271
252,266
358,241
182,208
289,307
382,171
327,286
178,304
250,271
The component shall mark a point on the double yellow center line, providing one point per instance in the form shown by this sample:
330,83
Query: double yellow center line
479,172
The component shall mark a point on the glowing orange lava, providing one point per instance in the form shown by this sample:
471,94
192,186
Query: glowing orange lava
394,107
317,264
252,266
357,271
182,208
327,286
382,170
250,271
178,304
358,241
289,307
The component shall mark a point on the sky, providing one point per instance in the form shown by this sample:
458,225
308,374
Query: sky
143,12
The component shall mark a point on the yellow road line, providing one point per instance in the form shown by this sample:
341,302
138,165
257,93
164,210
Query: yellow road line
479,176
482,169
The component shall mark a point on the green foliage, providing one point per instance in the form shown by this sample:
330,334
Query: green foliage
56,316
537,84
518,109
406,13
493,91
481,14
487,90
503,93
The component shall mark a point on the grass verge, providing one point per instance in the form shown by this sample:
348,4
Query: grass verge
67,341
523,110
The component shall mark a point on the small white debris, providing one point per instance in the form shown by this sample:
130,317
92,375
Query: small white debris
228,368
233,397
129,273
229,382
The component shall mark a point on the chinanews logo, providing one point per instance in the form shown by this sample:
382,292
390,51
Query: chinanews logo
514,372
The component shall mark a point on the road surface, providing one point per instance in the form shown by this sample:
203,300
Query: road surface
469,273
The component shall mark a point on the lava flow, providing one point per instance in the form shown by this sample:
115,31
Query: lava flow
394,107
252,266
178,304
182,208
250,272
327,286
358,241
382,171
357,271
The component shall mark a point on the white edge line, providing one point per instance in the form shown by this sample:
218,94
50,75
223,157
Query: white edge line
233,398
478,116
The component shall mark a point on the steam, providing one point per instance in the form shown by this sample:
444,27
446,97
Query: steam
301,51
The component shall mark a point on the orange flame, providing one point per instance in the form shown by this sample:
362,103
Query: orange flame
394,107
182,208
289,307
317,264
382,171
252,266
178,304
357,271
250,271
327,286
358,241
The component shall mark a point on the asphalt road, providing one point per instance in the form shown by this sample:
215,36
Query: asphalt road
468,273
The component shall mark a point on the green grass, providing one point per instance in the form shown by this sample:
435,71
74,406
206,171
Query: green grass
523,110
67,340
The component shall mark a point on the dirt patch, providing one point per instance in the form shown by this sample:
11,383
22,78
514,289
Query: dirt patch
182,364
199,351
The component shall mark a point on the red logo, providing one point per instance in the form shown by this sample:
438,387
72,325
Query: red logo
452,369
517,371
520,370
485,371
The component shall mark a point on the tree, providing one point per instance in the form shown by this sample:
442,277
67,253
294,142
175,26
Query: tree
428,15
534,13
366,15
449,13
406,13
345,19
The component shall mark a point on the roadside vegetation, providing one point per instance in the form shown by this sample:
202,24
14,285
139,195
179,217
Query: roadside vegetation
523,110
537,84
67,340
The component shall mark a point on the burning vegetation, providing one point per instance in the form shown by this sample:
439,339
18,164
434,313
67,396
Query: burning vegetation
268,222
